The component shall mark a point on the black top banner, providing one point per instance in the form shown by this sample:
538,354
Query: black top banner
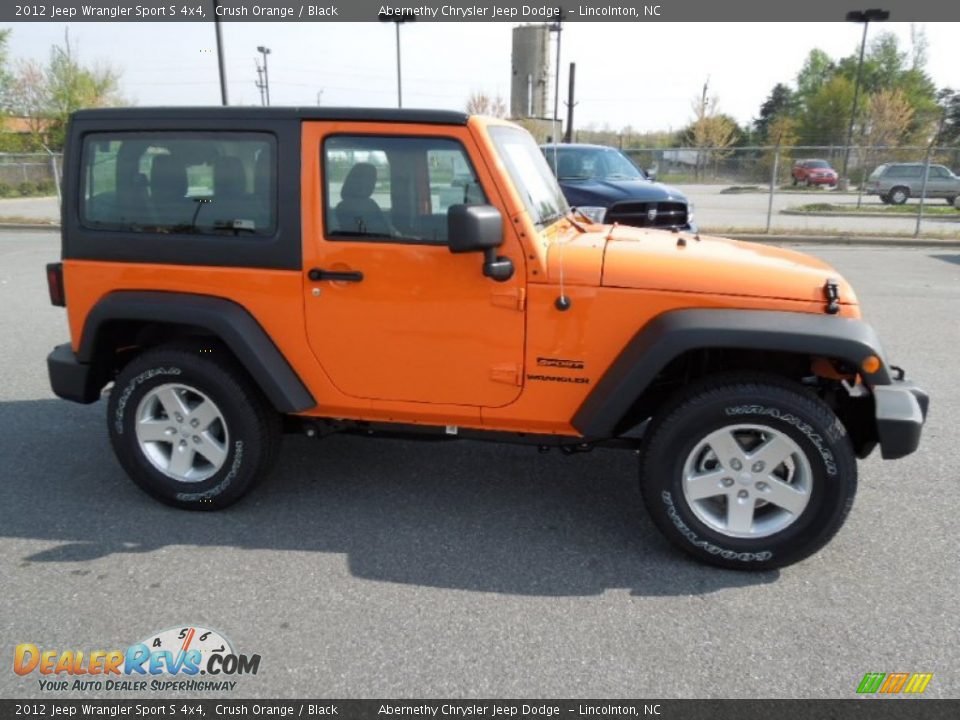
488,709
469,10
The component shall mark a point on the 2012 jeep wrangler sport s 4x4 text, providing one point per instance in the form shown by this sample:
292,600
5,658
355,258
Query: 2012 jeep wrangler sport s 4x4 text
232,273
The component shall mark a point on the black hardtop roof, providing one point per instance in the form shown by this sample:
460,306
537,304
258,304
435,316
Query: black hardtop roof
213,112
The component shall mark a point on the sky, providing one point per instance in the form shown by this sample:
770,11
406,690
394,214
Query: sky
639,74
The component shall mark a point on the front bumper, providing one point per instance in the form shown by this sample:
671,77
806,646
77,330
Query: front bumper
901,409
72,379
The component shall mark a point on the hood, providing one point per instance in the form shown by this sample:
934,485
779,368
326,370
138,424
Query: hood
646,259
605,192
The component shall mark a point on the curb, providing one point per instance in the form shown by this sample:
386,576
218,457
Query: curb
29,226
936,217
855,241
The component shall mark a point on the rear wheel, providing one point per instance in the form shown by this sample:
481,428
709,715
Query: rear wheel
885,199
748,474
899,195
952,200
190,428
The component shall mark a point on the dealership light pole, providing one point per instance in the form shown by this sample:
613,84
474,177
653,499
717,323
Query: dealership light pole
263,50
397,19
223,70
865,17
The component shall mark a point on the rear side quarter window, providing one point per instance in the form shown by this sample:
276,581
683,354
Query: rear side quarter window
179,183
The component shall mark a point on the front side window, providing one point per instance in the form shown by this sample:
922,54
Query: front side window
383,189
179,182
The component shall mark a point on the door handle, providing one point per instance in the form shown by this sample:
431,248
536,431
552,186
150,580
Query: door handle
318,274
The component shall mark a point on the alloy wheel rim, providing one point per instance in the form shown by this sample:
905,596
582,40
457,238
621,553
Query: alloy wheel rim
747,481
182,432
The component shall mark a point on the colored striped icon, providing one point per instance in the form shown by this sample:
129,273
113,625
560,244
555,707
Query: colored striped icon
893,683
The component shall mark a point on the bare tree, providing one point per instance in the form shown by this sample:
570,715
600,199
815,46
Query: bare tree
710,129
480,103
888,118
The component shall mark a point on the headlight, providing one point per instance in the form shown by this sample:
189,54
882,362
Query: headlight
593,214
689,212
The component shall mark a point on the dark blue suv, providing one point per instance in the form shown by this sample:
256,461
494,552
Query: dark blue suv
606,186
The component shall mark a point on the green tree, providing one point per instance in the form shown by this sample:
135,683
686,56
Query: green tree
949,102
826,113
781,102
45,95
818,69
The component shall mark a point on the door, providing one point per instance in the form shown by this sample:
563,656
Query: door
938,182
392,314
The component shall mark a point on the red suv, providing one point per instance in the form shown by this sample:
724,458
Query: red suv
814,172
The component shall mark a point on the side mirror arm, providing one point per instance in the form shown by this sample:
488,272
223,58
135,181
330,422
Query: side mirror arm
496,267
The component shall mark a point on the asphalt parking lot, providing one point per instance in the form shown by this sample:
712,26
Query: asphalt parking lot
396,568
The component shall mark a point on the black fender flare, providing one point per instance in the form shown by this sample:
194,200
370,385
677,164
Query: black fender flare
223,318
675,332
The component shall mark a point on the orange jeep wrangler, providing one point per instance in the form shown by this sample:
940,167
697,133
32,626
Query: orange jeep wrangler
233,273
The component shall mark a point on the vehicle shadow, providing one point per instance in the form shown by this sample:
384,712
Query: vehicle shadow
955,259
462,515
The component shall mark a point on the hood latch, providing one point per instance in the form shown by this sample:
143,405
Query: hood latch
831,291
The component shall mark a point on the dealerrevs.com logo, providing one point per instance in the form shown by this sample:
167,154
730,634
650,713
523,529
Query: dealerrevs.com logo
191,658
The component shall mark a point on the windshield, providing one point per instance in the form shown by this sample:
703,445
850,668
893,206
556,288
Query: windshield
592,164
530,174
817,164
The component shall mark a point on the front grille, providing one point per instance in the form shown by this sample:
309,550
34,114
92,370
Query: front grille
668,214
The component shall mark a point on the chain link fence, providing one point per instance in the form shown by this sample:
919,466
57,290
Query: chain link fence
30,174
868,189
754,165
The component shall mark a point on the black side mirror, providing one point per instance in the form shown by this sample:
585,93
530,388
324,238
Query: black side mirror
479,228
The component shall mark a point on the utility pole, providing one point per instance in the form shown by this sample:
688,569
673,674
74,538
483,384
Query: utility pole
220,64
556,27
319,96
263,50
261,86
570,103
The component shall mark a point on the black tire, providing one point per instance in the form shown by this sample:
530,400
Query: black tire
794,180
951,201
253,426
899,195
885,199
736,399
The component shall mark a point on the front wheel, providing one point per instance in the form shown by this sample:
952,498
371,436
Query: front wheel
748,474
190,428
